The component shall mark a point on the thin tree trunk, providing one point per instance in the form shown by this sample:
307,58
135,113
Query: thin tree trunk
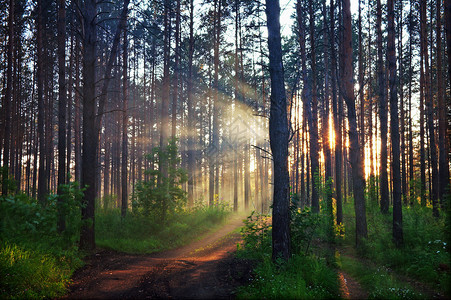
384,193
337,127
312,111
124,170
430,113
176,70
62,106
443,139
190,104
394,126
42,180
361,89
8,95
422,95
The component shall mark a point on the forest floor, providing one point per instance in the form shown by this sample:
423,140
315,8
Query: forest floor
204,269
355,290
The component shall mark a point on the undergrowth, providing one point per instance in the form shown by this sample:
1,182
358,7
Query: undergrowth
379,282
35,260
305,276
425,255
138,233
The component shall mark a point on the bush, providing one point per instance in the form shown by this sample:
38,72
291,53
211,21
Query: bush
302,277
35,260
161,194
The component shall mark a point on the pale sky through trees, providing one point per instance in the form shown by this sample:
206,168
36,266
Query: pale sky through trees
287,8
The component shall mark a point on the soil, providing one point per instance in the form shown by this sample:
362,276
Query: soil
204,269
350,288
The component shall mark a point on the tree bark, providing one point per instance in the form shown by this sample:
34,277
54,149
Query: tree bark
335,110
394,125
278,132
124,177
190,104
9,97
354,152
384,194
422,92
90,138
42,179
62,106
312,113
430,112
443,139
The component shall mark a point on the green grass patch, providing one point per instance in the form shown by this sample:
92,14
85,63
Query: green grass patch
141,234
304,276
35,260
28,273
425,255
379,282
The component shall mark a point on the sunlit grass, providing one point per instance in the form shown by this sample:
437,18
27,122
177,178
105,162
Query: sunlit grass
137,233
304,276
425,255
379,282
29,273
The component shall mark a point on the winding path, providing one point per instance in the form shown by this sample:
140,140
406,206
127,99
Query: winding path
204,269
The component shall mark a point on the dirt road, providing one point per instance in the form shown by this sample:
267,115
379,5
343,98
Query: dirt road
205,269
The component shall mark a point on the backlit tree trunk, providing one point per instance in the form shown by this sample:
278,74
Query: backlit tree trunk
394,125
354,153
278,132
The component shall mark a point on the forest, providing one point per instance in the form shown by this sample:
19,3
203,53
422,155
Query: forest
310,138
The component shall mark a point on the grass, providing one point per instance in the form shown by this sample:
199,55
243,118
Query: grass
37,262
28,273
424,253
304,276
144,234
379,282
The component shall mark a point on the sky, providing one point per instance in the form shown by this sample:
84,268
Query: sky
287,8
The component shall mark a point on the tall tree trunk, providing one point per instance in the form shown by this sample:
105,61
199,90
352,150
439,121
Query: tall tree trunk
77,114
430,112
90,138
124,170
394,126
176,70
70,93
361,89
337,127
443,139
216,103
382,114
190,105
312,111
164,123
354,152
62,104
448,36
422,95
402,110
411,166
9,97
325,131
42,180
278,132
236,100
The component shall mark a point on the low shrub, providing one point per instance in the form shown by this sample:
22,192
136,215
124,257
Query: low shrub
304,276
